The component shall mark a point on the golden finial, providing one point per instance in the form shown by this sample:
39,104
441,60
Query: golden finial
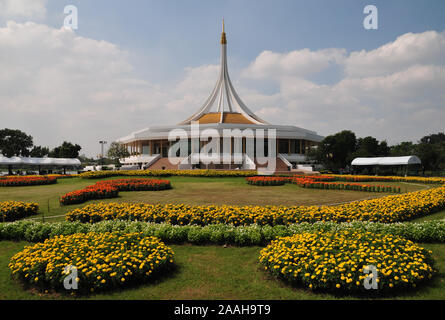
223,35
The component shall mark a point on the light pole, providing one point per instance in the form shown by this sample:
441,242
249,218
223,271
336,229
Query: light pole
102,151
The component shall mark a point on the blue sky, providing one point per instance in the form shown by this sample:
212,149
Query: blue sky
133,64
166,36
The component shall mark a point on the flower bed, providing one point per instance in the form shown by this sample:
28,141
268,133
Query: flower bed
89,193
308,182
266,181
12,181
103,261
320,182
336,261
394,208
168,173
136,184
363,178
14,210
111,188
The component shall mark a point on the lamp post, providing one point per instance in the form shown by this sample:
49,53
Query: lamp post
102,151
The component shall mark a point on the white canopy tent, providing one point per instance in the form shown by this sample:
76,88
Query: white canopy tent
387,161
48,162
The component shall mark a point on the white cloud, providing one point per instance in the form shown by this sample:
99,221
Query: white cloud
23,8
58,86
407,50
272,65
394,92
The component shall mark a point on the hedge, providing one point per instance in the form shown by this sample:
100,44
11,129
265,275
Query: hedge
33,231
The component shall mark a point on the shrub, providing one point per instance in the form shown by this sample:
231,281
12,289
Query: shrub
103,261
35,231
336,261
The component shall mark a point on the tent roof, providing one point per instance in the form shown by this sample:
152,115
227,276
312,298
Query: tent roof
386,161
39,161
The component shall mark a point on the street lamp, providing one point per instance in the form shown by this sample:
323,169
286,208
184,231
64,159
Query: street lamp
102,150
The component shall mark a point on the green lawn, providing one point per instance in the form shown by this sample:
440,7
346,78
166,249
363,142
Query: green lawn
211,272
195,191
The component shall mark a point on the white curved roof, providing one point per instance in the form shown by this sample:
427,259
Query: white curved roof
386,161
162,132
39,161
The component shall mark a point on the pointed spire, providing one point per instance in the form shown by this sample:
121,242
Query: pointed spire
223,35
224,95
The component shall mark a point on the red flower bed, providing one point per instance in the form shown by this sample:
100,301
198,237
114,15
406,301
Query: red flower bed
267,181
319,182
111,188
26,181
308,182
137,184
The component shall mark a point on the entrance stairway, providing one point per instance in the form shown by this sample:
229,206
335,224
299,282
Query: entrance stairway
163,164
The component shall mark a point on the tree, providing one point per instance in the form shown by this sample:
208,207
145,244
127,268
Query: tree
117,151
406,148
371,147
429,155
66,150
15,143
434,138
335,150
39,152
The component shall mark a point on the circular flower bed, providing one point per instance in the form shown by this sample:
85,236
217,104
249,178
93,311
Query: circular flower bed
14,210
103,261
336,261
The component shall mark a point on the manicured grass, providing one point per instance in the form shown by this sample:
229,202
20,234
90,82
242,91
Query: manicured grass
194,191
212,272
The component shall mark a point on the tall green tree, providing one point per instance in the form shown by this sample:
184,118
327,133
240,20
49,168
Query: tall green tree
371,147
117,151
334,151
406,148
431,150
39,152
66,150
15,143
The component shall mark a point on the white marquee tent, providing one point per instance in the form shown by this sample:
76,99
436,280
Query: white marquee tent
386,161
64,162
376,162
39,162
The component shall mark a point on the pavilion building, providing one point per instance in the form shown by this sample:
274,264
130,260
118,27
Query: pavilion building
223,109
